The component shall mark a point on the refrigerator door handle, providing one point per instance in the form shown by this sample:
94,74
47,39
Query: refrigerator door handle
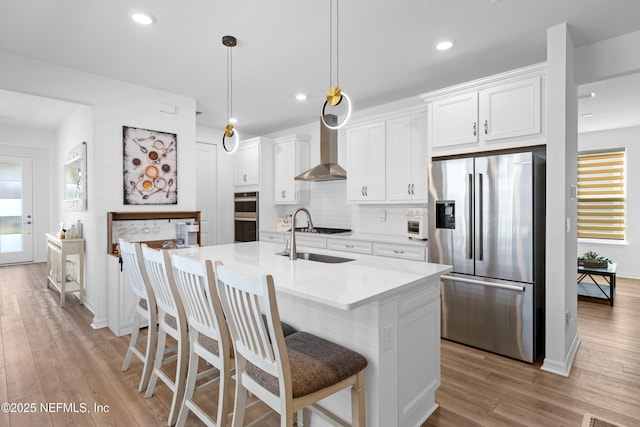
480,250
482,283
470,219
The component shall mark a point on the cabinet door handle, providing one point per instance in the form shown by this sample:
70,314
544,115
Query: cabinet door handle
409,189
348,246
475,131
395,251
412,192
486,127
244,177
283,193
362,190
366,190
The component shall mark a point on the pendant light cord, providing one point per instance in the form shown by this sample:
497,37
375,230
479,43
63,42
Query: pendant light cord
229,85
337,52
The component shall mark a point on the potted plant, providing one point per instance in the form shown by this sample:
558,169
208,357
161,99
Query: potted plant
592,259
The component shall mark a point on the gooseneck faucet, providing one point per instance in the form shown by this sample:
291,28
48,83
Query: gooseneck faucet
293,255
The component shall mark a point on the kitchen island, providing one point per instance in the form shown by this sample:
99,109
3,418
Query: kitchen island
387,309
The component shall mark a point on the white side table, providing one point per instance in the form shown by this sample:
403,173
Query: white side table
57,252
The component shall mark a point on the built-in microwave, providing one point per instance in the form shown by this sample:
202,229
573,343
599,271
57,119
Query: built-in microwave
417,223
245,216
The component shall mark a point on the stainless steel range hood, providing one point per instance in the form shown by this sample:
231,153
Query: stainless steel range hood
328,169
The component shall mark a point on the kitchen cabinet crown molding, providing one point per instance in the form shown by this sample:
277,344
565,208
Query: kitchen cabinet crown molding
387,116
535,70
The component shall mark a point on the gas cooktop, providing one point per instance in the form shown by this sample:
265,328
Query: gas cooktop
322,230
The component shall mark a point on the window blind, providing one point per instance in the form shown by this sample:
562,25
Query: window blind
601,195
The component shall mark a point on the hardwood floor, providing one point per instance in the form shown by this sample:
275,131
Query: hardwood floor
52,356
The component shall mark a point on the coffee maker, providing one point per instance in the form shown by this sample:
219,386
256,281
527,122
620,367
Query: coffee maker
192,234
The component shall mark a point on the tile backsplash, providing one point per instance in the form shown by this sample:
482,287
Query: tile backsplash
328,208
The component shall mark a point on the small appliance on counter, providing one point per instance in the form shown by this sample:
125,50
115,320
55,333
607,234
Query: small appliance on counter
192,234
181,234
417,223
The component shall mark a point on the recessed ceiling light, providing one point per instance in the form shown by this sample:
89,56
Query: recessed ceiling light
587,95
585,115
444,45
233,120
7,118
301,97
143,18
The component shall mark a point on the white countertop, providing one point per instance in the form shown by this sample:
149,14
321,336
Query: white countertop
345,286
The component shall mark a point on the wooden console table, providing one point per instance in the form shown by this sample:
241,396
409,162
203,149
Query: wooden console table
57,252
594,289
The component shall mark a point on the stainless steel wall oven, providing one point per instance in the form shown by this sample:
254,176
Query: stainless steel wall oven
245,216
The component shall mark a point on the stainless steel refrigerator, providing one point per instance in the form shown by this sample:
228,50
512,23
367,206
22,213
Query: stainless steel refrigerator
487,220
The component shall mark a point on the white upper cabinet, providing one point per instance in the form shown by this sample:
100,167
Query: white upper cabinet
290,158
511,110
501,111
246,163
366,162
455,120
406,156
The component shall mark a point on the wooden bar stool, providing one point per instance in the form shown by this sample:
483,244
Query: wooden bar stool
288,374
145,314
208,337
171,321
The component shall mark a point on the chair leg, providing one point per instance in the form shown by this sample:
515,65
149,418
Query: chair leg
240,398
162,338
132,342
358,402
223,394
192,375
149,357
180,379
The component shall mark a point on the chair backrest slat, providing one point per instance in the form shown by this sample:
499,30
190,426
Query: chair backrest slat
131,255
243,298
155,263
195,281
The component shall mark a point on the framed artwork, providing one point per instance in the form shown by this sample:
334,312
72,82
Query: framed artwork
149,164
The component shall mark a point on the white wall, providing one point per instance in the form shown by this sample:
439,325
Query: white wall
625,255
114,104
40,146
561,339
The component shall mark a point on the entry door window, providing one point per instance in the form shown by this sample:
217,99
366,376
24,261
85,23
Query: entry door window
16,240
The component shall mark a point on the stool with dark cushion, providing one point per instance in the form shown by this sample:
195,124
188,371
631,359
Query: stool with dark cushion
308,367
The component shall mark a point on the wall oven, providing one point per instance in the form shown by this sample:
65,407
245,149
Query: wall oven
245,216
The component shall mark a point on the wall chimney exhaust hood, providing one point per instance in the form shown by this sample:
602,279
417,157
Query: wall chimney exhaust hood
328,169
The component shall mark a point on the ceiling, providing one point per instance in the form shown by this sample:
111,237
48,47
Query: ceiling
386,48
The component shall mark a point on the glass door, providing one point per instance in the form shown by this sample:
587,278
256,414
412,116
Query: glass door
16,222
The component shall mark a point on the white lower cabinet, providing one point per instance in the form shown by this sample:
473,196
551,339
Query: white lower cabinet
415,253
350,246
121,302
273,237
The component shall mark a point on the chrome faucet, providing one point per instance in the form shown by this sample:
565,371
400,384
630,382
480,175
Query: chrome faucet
293,255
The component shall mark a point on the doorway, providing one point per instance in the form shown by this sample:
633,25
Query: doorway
207,191
16,207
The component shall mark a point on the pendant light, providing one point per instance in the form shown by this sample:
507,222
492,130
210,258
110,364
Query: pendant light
230,139
335,95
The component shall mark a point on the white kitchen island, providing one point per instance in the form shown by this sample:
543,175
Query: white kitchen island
387,309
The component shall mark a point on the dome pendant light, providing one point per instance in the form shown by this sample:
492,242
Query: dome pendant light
335,95
230,138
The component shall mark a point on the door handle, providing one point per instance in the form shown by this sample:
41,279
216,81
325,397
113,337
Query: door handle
475,130
486,127
470,219
412,192
409,189
480,219
483,283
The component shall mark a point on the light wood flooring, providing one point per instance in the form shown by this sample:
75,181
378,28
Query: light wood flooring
52,355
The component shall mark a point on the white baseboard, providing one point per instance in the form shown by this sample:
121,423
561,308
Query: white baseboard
562,367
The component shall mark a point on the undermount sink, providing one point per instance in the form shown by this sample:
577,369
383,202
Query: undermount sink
318,257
